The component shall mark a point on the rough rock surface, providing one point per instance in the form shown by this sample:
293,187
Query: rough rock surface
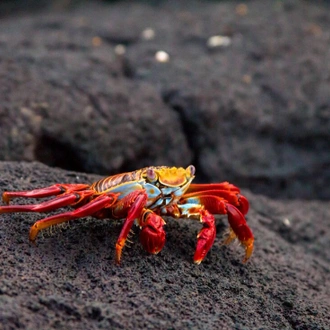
70,281
256,112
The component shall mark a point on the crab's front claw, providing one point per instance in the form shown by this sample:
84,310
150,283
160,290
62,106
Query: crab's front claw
240,230
205,237
152,235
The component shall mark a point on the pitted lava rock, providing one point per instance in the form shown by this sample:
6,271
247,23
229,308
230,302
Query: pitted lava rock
70,279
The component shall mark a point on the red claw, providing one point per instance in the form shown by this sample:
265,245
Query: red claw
152,235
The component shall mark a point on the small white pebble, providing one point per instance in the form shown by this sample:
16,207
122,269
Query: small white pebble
162,56
120,49
218,41
148,34
287,222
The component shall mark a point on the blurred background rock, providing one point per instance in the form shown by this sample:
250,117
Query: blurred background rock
239,89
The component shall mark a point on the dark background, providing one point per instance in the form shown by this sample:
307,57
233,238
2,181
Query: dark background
255,112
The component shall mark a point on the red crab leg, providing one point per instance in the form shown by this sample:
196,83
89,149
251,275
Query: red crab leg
205,237
236,219
192,208
44,192
234,198
241,229
132,205
90,208
197,187
55,203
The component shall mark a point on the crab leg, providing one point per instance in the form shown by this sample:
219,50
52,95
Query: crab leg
236,219
205,237
55,203
83,211
134,202
198,187
192,208
53,190
234,198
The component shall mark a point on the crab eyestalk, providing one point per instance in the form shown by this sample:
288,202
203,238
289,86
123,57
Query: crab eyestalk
152,235
151,175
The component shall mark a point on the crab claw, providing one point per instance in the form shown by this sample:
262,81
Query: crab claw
241,230
205,237
152,235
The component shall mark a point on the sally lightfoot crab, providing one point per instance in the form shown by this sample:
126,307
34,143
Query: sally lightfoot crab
144,196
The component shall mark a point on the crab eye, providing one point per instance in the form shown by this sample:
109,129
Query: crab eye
151,175
191,170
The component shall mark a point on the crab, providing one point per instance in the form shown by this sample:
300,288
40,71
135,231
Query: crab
145,196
